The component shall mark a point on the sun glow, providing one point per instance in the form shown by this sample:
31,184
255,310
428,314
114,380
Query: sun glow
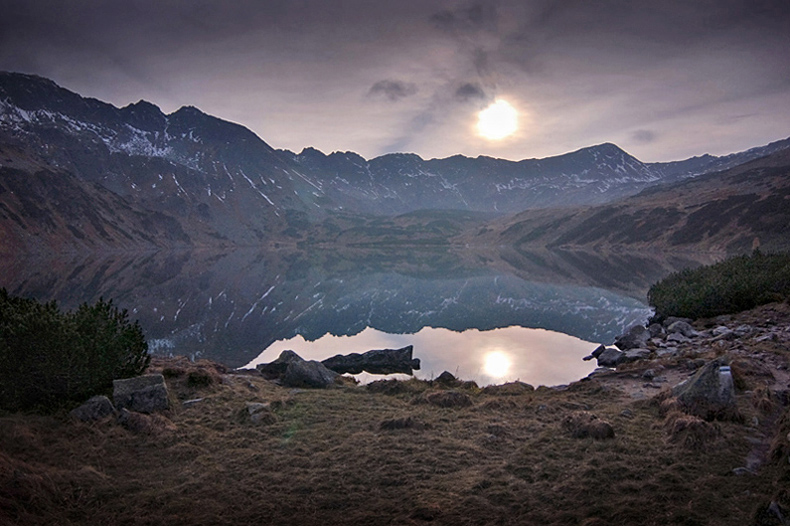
497,364
497,121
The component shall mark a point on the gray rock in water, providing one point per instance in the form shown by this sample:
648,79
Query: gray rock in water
378,361
710,393
683,328
144,394
276,369
635,337
611,358
95,408
301,373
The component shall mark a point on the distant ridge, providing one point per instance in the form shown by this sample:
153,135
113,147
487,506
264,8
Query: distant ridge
190,179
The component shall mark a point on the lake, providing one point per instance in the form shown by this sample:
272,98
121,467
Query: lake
490,315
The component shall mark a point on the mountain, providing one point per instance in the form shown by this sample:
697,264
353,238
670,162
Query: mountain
733,211
80,174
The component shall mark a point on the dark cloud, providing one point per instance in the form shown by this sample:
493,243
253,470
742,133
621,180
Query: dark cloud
476,17
644,136
292,70
470,91
393,90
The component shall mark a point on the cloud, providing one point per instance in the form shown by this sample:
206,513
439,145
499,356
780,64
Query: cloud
393,90
474,18
470,91
644,136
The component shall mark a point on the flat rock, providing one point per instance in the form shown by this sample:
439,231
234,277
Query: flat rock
308,373
377,361
143,394
94,409
611,358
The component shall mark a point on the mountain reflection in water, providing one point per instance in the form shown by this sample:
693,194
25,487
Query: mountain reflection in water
230,306
535,356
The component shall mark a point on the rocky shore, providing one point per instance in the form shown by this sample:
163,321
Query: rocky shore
689,426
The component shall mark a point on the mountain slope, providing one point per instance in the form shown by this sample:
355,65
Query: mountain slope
191,179
733,211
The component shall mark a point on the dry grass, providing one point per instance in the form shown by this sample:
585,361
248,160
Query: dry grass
370,455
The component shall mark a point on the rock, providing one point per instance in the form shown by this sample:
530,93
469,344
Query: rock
709,393
301,373
144,394
667,352
656,330
595,354
583,424
94,409
139,423
446,379
649,374
678,337
683,328
672,319
743,330
633,355
611,358
635,336
378,361
276,369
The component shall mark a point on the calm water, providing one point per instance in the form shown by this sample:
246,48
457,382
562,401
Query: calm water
487,316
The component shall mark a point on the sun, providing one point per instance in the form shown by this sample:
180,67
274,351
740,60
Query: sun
496,364
497,121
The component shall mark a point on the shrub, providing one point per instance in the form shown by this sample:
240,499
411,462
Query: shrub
49,358
731,286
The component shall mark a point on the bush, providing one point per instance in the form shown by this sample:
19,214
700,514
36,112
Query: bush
49,358
733,285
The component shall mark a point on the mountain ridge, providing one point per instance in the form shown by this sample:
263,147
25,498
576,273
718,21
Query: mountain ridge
223,185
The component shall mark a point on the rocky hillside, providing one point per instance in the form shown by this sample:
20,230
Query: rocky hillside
138,178
730,211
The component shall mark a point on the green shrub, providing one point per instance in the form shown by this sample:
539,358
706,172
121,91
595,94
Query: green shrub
49,358
731,286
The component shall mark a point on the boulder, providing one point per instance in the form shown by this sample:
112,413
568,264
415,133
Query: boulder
276,369
611,358
94,409
446,379
656,330
308,373
596,353
710,393
377,361
683,328
672,319
634,337
633,355
143,394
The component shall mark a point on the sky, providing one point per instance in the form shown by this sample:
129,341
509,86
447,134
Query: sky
663,79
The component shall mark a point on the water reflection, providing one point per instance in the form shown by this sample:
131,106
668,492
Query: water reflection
229,306
535,356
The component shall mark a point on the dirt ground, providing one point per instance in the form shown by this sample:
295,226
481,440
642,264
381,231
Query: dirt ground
412,453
